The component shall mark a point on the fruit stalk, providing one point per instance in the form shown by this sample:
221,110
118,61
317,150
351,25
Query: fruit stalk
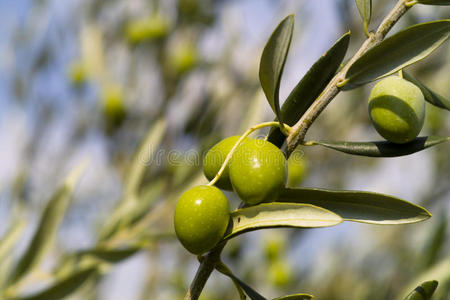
247,133
299,130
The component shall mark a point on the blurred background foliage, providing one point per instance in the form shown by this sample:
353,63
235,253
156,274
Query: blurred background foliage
92,80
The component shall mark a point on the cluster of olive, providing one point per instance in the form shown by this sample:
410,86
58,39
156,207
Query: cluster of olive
397,109
256,172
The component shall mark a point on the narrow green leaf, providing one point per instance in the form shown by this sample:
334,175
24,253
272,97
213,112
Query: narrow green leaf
435,242
310,87
439,272
365,10
251,293
397,52
272,215
63,287
10,238
142,158
423,291
110,255
50,220
272,62
434,2
295,297
359,206
431,96
382,148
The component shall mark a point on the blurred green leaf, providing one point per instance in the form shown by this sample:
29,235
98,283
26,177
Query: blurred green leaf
440,272
435,242
424,291
397,52
50,220
10,238
251,293
310,87
63,287
110,255
431,96
365,10
295,297
142,158
382,148
434,2
272,215
358,206
272,62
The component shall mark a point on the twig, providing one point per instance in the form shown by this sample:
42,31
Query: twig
299,130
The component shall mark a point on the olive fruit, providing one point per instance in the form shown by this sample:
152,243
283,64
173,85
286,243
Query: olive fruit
148,28
214,159
397,109
257,171
201,218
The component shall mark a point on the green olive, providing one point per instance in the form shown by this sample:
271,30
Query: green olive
257,171
397,109
182,57
214,159
201,218
113,106
148,28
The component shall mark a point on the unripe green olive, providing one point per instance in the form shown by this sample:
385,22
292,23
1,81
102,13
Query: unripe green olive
201,218
113,106
280,273
257,171
182,57
148,28
214,159
397,109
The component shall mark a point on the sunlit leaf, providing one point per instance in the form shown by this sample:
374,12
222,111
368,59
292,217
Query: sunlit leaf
272,62
143,157
434,2
431,96
272,215
424,291
10,238
396,52
64,287
310,87
295,297
359,206
49,222
382,148
365,10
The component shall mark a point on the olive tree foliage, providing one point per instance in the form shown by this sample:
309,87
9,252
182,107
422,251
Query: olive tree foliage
134,67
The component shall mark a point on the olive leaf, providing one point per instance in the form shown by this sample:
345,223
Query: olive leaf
110,255
439,272
430,96
251,293
424,291
272,215
396,52
434,2
272,62
310,87
49,222
63,287
143,157
381,148
358,206
295,297
10,238
365,10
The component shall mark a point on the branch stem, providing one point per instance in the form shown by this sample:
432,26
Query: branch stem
299,130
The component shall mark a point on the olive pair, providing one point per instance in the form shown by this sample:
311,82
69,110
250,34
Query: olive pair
256,171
